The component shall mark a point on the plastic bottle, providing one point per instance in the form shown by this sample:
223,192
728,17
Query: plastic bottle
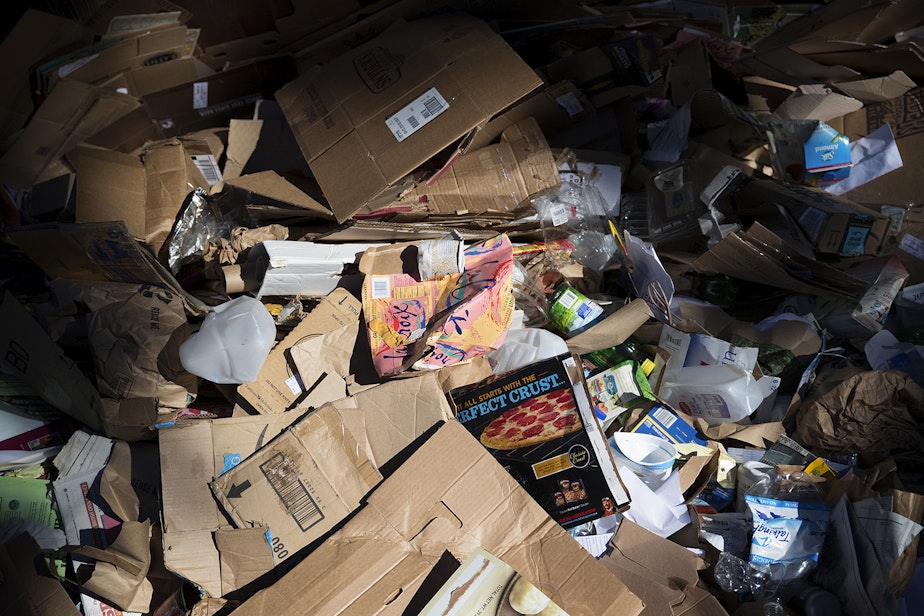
572,312
718,394
232,343
631,349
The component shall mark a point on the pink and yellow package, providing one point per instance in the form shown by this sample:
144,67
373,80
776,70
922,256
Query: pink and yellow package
444,321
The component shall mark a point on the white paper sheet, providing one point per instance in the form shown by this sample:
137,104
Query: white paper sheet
872,156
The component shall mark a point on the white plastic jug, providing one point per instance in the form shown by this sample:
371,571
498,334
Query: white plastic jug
232,343
718,394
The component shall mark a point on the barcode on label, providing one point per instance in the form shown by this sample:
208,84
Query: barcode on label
416,114
281,475
208,167
559,215
381,287
664,417
568,299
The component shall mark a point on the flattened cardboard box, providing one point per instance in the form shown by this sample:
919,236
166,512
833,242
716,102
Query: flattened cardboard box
370,117
214,100
496,178
36,35
300,485
450,495
73,112
271,391
834,225
146,192
197,536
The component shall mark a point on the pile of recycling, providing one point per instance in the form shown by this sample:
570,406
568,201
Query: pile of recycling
401,308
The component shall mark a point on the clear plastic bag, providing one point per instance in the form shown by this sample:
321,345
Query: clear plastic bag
577,213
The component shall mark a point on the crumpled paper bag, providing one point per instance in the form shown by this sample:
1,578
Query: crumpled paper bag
222,251
129,340
874,412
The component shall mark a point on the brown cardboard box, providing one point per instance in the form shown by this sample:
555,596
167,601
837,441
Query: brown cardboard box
450,495
96,251
142,81
499,177
128,54
353,118
833,224
301,484
199,542
663,573
212,101
73,112
35,36
554,107
270,392
388,417
146,192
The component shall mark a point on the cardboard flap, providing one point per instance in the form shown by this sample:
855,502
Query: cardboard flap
663,560
370,566
300,485
244,554
276,187
350,116
388,417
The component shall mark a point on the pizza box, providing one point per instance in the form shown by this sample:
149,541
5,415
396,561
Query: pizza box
538,423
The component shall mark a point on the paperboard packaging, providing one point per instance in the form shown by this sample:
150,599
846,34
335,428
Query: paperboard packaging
36,35
370,117
300,485
101,251
499,177
163,45
214,100
200,544
276,388
450,495
570,473
73,112
834,225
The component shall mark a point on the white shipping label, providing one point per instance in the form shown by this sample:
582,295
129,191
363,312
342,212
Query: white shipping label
200,95
912,246
413,116
559,215
295,385
209,167
380,286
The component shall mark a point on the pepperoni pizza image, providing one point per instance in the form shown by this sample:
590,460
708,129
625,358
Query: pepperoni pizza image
540,419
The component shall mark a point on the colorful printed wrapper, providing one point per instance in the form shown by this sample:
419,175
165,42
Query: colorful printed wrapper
435,323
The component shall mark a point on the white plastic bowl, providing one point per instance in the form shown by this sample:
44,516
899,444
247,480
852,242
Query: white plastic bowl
647,456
